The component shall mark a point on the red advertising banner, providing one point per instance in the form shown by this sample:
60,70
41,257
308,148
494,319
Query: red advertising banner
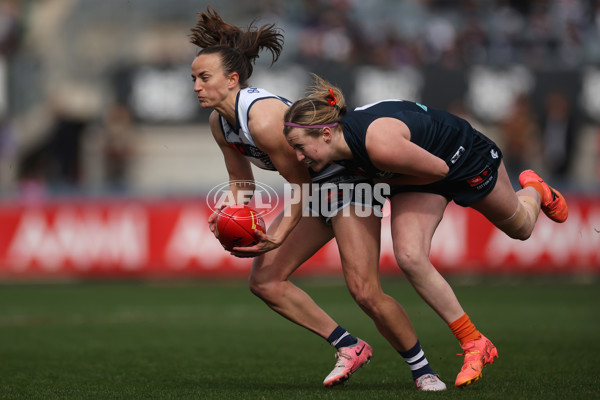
170,238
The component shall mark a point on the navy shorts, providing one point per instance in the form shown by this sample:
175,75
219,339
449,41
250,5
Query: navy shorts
337,189
469,182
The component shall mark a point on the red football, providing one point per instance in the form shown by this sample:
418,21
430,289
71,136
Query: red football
236,226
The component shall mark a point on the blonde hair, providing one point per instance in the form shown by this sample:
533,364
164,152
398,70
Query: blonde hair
323,105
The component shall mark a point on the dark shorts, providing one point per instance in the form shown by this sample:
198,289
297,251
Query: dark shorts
471,181
337,189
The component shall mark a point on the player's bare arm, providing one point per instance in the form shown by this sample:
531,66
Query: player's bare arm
266,126
238,167
390,149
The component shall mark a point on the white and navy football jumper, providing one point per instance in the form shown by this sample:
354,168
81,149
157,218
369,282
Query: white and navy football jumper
239,136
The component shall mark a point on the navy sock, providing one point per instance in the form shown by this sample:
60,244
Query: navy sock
416,360
341,338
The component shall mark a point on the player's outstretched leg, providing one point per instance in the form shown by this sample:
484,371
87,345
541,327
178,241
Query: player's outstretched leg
553,203
349,359
477,354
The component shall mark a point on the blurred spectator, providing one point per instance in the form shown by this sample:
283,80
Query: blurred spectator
10,35
488,41
572,25
10,26
32,187
56,160
472,40
558,134
519,133
597,156
393,51
459,107
64,146
328,33
8,153
439,41
505,25
117,146
538,34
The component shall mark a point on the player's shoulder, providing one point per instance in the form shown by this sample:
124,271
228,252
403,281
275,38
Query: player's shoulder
260,104
395,103
250,95
253,93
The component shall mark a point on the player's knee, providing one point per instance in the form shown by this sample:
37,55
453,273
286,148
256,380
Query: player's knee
262,287
255,287
409,260
365,301
366,295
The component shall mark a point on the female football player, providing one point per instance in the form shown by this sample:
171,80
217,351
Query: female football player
246,123
429,157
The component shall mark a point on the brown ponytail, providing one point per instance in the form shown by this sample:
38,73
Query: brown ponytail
238,48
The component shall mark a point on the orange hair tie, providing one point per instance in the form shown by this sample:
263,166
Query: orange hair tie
333,101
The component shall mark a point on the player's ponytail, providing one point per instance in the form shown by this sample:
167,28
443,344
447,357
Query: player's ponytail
324,105
238,48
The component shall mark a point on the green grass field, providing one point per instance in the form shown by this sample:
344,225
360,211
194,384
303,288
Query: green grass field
215,340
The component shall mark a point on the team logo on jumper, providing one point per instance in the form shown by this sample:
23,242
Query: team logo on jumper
457,155
262,197
494,153
482,179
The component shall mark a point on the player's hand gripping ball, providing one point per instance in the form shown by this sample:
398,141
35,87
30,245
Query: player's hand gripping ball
237,226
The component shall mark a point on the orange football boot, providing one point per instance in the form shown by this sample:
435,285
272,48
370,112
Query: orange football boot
477,354
553,204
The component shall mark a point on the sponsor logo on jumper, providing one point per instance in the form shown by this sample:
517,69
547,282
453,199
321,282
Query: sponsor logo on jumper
494,154
482,179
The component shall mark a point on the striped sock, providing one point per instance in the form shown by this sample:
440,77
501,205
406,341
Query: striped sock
416,360
341,338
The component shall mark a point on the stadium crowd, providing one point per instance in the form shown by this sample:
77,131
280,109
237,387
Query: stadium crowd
454,34
539,35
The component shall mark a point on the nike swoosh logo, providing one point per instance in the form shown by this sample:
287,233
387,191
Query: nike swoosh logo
358,353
